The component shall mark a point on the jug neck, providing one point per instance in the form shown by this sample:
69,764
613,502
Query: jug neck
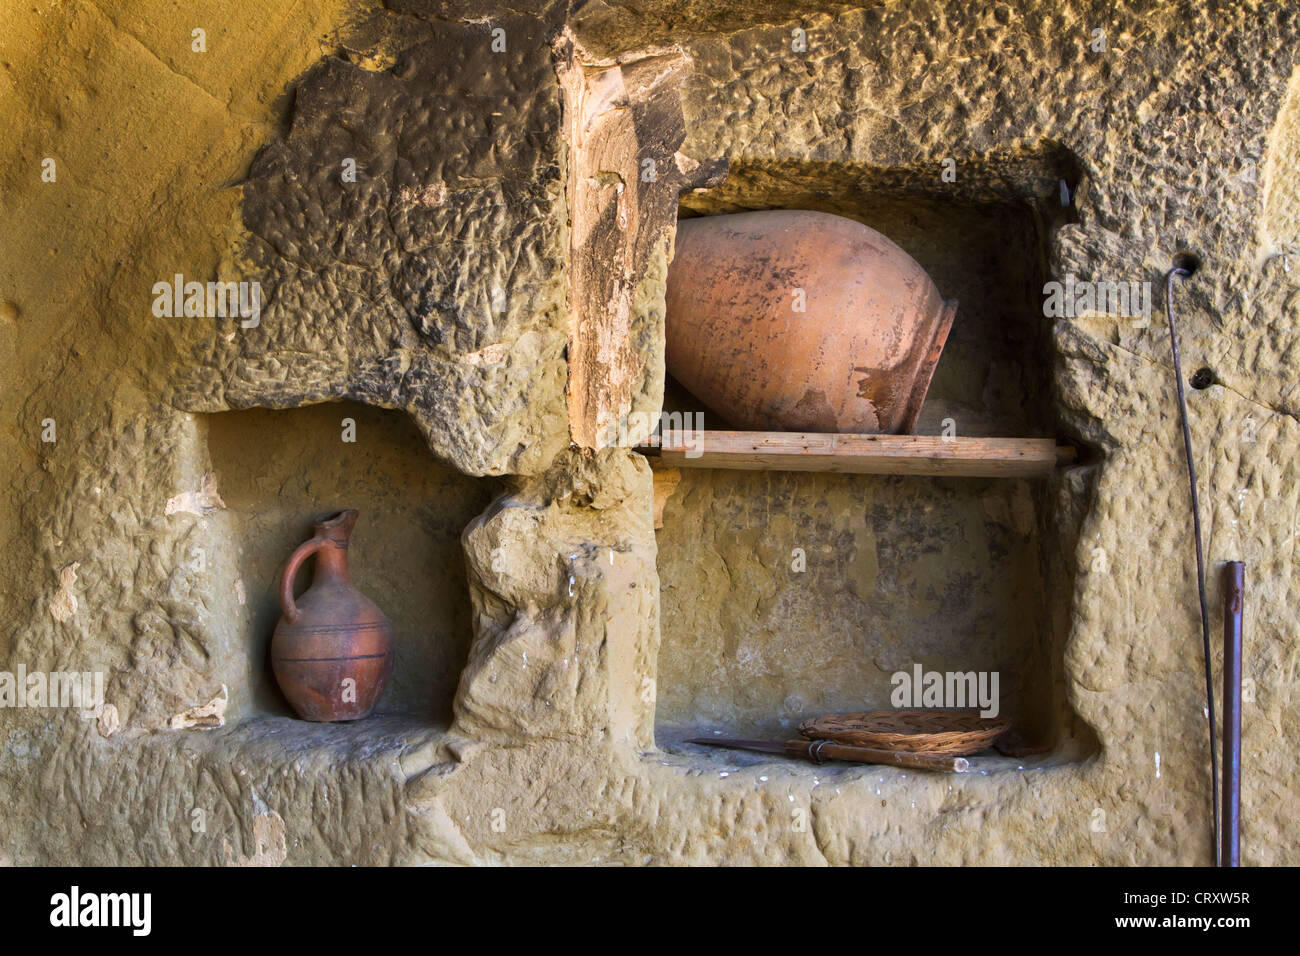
332,562
335,531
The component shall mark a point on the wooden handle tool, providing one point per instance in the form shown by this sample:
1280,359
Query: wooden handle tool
820,750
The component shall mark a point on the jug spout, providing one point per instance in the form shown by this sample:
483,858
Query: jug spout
337,527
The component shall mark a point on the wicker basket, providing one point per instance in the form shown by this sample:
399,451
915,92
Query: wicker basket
953,733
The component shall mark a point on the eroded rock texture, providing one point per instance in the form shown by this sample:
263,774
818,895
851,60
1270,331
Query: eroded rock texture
562,576
441,284
409,234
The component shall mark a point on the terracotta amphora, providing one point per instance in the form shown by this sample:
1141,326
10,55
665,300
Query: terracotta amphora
794,320
332,652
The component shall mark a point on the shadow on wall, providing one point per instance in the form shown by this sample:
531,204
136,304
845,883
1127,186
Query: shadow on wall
279,470
787,595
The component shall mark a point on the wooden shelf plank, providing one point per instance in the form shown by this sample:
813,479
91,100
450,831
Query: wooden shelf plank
862,454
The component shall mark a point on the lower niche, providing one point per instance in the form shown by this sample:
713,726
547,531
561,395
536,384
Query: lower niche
787,595
279,470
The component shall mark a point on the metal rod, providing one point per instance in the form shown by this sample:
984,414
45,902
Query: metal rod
1233,610
1180,272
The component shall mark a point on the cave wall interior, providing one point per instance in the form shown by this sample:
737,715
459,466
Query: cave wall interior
490,289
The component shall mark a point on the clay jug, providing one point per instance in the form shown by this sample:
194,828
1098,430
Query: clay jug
332,652
802,321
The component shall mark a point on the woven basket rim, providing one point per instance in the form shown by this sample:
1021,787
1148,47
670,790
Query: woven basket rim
951,731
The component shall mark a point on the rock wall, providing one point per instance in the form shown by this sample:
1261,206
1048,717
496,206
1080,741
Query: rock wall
435,276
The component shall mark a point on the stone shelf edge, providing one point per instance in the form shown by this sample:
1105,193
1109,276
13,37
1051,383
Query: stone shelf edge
860,454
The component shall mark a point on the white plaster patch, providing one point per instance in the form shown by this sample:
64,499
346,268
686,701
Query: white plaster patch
435,194
202,502
205,716
64,603
109,721
491,355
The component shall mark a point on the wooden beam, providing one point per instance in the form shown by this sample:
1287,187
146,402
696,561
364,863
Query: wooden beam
862,454
623,118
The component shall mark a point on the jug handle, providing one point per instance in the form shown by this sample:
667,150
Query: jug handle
304,551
